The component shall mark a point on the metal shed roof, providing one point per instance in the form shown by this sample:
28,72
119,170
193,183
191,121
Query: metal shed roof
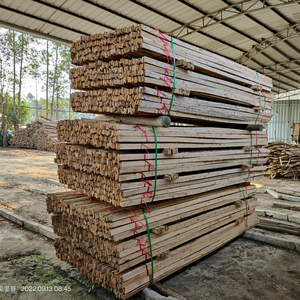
263,35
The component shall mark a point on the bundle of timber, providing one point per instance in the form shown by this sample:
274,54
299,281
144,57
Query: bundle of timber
189,161
283,160
124,250
188,83
151,196
40,134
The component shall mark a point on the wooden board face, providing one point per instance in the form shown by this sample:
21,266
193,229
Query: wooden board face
296,132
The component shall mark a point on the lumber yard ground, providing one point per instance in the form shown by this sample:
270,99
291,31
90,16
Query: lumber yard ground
243,269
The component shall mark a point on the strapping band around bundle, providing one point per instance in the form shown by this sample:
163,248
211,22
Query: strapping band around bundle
150,247
174,78
154,190
246,208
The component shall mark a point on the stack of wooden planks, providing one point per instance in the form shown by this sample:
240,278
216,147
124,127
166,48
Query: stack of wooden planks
40,134
283,160
115,176
149,200
99,239
206,87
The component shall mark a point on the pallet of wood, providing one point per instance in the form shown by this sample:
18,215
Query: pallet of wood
99,239
140,71
40,134
283,160
151,197
130,177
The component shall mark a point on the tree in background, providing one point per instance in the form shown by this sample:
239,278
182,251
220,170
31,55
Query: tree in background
7,108
16,54
25,57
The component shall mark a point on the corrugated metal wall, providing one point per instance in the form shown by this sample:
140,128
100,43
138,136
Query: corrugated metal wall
285,112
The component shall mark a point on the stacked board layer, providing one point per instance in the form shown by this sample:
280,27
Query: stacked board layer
40,134
98,239
206,158
149,200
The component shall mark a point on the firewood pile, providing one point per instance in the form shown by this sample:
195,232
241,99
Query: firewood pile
283,160
40,134
150,198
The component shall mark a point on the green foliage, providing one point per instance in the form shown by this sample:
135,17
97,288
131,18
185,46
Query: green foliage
9,116
8,138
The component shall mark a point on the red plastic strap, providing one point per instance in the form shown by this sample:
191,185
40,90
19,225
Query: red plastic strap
145,147
133,210
251,176
160,93
136,221
256,149
108,205
77,193
165,42
146,182
167,78
163,34
163,108
143,131
143,202
149,165
149,275
139,244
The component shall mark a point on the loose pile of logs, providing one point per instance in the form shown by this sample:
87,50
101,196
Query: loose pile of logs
283,160
149,200
40,134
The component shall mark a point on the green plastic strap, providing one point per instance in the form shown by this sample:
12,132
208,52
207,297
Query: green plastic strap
246,207
174,78
154,191
150,246
250,157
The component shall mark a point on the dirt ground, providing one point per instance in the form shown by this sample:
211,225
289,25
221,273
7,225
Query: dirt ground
22,186
28,260
243,269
